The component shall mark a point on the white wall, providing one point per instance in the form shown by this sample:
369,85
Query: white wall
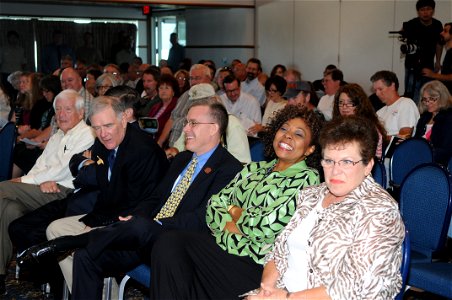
353,35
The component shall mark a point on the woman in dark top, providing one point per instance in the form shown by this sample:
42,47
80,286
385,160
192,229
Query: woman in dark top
435,122
168,90
42,114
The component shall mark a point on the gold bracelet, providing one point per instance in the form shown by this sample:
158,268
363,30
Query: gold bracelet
230,207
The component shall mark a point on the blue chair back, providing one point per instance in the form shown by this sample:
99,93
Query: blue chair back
379,172
7,143
142,274
425,204
405,266
407,155
449,165
257,151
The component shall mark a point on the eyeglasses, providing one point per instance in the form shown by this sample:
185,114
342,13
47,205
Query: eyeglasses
346,104
193,124
343,163
181,78
427,100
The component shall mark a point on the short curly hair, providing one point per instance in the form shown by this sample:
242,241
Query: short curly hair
312,120
350,129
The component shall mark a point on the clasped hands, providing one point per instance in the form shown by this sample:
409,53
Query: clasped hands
269,292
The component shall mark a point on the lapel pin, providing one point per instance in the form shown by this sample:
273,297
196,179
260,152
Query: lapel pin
99,161
207,170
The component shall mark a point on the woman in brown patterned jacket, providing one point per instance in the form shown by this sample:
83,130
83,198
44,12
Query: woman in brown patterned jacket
344,240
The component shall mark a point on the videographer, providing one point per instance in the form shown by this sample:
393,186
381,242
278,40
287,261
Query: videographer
422,45
446,70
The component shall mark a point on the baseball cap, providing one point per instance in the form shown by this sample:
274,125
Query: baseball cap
299,86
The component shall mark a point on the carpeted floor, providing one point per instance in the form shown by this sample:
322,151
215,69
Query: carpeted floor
27,290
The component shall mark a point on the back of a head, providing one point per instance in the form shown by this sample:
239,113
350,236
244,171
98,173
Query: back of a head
126,94
335,74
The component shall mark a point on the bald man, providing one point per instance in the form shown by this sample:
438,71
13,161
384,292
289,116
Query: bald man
70,79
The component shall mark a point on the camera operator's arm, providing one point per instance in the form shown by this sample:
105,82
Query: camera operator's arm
439,52
438,76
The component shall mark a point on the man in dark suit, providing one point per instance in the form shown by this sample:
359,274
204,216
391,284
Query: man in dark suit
126,167
124,245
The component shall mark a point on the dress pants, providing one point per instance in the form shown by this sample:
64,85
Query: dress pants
190,265
112,249
17,199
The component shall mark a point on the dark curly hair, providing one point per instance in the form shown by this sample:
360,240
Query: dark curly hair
290,112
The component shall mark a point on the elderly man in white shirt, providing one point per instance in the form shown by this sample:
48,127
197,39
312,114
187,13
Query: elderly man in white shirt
50,178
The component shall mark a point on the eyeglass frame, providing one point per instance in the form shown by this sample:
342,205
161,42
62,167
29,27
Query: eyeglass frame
193,123
427,100
347,105
343,163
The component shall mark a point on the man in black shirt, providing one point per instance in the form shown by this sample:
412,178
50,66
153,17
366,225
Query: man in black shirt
423,35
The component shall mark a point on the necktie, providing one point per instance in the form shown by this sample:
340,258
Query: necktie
111,162
170,206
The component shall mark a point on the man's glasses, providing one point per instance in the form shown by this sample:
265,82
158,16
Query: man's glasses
343,163
427,100
193,123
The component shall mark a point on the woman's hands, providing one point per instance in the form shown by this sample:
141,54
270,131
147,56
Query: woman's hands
236,213
269,292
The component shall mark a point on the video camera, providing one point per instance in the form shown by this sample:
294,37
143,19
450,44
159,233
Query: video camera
409,42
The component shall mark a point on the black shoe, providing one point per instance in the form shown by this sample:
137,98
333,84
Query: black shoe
33,254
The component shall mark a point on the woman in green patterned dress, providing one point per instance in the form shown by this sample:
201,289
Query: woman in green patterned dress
244,218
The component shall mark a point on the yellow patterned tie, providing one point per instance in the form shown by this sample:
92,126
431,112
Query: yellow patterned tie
170,206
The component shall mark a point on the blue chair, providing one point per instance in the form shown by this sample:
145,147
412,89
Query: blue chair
407,155
405,266
141,274
379,172
449,165
426,206
7,143
257,151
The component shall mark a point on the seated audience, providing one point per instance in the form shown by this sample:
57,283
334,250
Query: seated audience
28,96
351,100
345,238
90,80
435,123
50,178
168,93
275,88
179,202
399,115
292,76
244,218
251,84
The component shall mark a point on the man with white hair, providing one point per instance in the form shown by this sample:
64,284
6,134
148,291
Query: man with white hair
50,178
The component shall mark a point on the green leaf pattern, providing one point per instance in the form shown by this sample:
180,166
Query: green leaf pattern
268,200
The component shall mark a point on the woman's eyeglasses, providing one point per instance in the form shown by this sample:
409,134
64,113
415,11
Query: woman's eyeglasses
427,100
346,104
343,163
